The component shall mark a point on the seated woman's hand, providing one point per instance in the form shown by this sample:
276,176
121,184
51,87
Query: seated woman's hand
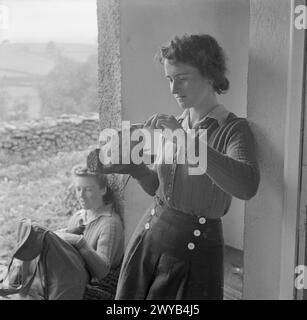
69,237
61,230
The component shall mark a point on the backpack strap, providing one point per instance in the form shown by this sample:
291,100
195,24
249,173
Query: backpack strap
45,267
24,287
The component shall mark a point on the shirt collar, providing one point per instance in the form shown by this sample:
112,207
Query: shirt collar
219,112
82,215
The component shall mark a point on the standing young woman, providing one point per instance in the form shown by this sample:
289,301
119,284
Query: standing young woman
176,251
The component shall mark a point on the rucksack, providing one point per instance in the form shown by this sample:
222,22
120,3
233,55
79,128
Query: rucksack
49,268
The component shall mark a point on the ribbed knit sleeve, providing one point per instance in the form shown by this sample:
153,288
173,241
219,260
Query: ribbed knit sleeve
99,265
147,178
109,248
235,172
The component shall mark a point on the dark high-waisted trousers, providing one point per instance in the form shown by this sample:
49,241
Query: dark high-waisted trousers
173,255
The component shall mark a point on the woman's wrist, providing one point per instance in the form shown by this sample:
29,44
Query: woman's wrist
137,171
81,243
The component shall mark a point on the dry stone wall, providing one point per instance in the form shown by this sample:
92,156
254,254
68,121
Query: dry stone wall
48,136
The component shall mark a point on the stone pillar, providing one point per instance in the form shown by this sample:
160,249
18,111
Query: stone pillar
109,76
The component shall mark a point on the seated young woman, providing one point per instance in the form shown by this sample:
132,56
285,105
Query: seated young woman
96,231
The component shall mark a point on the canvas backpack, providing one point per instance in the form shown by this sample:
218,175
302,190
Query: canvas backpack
49,268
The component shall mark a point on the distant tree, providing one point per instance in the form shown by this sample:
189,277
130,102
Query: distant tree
70,87
5,99
52,51
19,109
88,73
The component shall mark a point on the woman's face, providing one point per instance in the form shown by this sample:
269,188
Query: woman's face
189,87
88,192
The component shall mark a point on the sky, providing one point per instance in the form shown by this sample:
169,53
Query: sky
45,20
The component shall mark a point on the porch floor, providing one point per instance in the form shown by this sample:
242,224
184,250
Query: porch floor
233,273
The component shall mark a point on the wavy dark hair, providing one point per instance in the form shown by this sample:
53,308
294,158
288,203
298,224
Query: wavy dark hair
201,51
112,195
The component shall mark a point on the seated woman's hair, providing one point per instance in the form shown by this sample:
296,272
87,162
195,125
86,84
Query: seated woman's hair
111,196
201,51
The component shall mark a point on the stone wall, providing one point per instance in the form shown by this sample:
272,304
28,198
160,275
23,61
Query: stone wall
46,137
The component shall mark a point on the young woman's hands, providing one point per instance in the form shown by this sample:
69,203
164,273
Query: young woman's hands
162,121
